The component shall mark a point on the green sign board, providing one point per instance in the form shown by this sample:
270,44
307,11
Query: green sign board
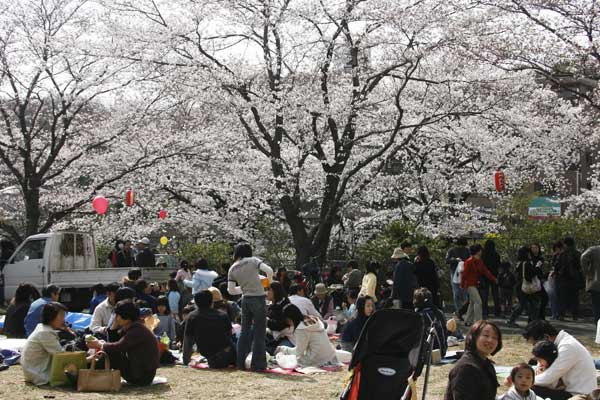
544,207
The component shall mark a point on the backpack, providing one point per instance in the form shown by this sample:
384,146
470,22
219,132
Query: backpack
457,276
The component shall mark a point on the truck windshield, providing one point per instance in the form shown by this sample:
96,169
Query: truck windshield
31,250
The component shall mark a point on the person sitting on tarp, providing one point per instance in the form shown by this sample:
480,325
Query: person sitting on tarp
136,353
50,294
36,356
99,296
432,317
112,328
103,312
14,323
364,308
313,348
323,301
279,333
210,331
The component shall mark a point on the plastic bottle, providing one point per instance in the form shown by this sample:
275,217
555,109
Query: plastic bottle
89,338
164,339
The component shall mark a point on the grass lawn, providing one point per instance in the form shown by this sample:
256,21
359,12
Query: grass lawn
187,383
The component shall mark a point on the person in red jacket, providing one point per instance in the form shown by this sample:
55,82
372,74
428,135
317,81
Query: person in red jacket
473,269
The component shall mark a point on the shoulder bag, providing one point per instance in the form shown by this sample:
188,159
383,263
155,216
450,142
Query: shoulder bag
98,380
530,287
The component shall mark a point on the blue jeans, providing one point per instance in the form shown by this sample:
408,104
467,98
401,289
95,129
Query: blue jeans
458,295
254,328
595,295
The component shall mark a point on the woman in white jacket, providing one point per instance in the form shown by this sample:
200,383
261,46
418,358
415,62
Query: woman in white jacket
313,348
36,357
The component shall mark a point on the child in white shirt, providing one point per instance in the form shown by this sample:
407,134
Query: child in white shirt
522,377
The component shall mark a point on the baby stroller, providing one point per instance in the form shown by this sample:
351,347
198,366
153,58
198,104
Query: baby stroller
387,356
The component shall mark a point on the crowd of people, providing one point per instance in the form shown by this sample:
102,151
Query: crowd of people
255,311
536,280
125,255
133,322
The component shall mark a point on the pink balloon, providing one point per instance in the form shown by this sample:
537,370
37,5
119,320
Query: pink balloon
162,214
100,204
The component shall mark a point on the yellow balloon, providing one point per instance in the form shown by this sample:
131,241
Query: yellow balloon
164,240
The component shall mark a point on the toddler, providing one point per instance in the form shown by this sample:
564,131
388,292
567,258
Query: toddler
522,377
545,352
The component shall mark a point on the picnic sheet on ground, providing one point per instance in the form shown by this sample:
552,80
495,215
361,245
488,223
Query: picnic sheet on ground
158,380
77,320
12,344
10,357
502,371
451,357
277,370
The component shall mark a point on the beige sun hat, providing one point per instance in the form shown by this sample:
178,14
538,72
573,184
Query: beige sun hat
320,288
398,253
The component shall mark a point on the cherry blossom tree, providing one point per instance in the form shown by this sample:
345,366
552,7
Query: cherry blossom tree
314,101
323,93
557,39
69,127
322,116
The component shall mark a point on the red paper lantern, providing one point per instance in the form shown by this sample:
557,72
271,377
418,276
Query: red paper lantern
500,181
100,204
162,214
130,198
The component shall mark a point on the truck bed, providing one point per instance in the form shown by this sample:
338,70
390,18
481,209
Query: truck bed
86,278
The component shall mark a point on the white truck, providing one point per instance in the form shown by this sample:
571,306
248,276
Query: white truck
68,260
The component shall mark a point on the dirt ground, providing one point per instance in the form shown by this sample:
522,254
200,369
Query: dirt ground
185,383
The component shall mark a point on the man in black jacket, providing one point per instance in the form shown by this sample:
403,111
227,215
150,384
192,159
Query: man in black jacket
210,330
125,256
145,257
405,280
569,279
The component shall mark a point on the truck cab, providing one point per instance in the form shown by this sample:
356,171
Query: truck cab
41,256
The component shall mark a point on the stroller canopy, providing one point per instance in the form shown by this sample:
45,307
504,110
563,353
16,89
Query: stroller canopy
390,331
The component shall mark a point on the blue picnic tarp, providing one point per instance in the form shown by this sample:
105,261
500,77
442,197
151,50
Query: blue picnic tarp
10,357
78,321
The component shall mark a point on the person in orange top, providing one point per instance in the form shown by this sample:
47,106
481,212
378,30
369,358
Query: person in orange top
474,268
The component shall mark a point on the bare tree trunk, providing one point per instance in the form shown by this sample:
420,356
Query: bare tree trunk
31,196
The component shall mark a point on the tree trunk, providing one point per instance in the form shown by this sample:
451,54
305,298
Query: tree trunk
307,246
32,211
308,250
